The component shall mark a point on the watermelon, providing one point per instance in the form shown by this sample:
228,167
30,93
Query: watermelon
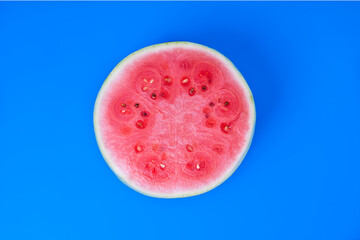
174,119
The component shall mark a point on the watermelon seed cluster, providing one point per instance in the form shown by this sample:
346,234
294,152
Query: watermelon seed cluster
185,81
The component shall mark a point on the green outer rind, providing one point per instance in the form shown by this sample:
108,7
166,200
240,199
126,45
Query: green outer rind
240,156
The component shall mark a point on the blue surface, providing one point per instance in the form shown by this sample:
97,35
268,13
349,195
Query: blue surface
300,179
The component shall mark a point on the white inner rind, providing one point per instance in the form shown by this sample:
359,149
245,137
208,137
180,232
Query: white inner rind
116,72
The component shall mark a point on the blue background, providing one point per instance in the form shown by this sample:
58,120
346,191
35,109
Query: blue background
300,179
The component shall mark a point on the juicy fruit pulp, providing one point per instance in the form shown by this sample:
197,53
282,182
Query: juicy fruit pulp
174,119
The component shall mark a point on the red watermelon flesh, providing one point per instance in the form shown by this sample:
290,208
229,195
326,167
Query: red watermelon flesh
174,119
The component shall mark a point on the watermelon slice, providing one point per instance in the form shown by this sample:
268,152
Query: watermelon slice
174,119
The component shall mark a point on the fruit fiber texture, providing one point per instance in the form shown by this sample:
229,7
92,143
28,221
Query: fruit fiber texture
174,119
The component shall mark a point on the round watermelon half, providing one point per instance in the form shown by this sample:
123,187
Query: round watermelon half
174,119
